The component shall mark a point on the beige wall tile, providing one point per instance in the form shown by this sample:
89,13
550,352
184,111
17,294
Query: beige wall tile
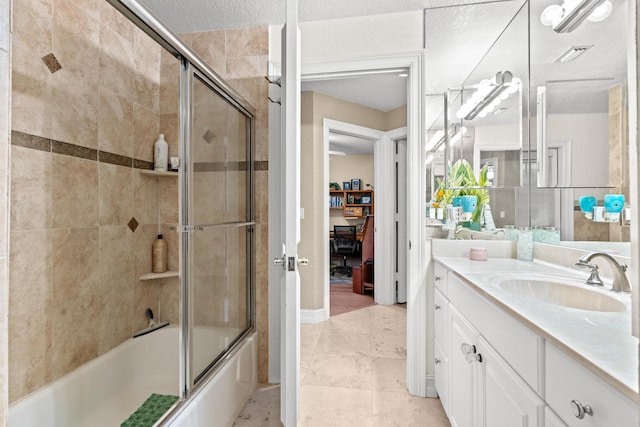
115,194
30,189
247,41
75,263
243,67
29,353
74,196
30,274
91,7
76,36
115,125
210,46
146,128
116,21
117,265
172,238
168,200
116,63
74,340
146,196
75,102
169,88
169,126
143,239
169,301
115,323
147,56
28,15
31,92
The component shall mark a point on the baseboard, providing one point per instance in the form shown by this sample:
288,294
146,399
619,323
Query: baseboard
313,316
431,386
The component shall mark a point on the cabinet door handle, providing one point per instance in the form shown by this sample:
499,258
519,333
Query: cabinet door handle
579,410
437,361
437,278
437,307
467,348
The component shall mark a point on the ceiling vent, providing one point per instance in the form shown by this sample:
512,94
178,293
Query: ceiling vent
573,53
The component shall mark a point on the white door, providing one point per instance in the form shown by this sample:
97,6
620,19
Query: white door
400,221
289,188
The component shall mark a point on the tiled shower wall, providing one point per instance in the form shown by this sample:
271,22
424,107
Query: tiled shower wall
90,96
85,104
5,86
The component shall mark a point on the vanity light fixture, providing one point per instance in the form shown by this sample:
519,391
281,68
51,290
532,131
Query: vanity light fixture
573,53
568,16
436,143
488,95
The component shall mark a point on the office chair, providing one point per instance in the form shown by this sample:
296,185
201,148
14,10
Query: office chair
344,243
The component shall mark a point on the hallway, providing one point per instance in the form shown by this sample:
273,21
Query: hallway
353,370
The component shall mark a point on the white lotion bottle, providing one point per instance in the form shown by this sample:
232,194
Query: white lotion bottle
160,154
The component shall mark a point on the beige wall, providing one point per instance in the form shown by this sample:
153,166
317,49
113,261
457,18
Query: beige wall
315,107
344,168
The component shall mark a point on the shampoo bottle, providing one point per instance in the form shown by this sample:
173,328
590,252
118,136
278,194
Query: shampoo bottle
159,256
160,154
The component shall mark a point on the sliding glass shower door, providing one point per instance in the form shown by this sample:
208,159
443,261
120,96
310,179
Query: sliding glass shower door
220,226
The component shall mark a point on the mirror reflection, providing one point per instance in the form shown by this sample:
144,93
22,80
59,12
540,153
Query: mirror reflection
555,135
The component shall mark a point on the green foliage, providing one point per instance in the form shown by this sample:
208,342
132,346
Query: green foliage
463,182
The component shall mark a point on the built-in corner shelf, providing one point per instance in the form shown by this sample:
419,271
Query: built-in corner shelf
152,276
151,172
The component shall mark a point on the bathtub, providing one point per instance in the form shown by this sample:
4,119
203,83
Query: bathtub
106,390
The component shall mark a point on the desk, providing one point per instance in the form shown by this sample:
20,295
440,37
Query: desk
358,235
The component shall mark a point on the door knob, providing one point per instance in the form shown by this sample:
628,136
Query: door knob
279,261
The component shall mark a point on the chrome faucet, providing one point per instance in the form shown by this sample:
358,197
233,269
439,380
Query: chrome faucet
620,282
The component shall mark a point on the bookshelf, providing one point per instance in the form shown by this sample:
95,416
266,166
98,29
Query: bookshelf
353,203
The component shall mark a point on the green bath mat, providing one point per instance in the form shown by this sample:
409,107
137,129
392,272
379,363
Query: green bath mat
150,411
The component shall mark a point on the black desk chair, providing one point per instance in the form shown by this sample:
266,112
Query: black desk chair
344,243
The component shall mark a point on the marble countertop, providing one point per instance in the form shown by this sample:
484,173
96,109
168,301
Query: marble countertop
601,341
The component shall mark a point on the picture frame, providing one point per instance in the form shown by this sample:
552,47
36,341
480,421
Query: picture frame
355,184
365,200
346,185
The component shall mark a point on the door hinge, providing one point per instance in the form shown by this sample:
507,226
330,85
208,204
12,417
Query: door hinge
291,263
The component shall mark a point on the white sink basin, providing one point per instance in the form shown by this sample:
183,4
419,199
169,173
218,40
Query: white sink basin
563,294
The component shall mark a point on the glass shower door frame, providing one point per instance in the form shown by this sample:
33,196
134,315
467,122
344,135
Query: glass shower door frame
187,227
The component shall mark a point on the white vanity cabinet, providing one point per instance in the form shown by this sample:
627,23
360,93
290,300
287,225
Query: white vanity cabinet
494,371
477,387
582,399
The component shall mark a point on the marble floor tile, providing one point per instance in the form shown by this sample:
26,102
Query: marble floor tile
337,370
389,374
352,343
262,409
353,373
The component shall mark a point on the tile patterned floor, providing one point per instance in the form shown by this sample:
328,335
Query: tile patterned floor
353,370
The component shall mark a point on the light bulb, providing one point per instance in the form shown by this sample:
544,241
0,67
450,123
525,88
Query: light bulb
601,12
551,15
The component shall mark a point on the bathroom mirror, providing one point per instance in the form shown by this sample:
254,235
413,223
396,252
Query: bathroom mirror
579,79
485,113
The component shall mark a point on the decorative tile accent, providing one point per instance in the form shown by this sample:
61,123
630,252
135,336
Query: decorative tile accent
51,62
208,136
115,159
262,165
30,141
133,224
59,147
142,164
219,166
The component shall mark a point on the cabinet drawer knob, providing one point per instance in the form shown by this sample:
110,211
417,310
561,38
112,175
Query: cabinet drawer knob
437,278
437,361
579,410
437,306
